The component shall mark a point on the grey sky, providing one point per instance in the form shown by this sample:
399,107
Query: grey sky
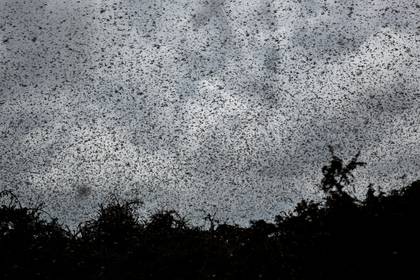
201,104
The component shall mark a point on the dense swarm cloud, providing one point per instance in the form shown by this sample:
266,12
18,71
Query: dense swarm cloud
203,104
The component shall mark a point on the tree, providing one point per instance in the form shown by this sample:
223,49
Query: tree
337,175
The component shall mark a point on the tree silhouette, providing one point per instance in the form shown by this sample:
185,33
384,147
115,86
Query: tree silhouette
338,175
345,238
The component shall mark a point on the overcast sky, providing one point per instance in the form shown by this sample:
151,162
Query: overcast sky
204,104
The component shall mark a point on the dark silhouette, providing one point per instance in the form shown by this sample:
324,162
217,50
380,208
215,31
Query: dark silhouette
340,238
337,175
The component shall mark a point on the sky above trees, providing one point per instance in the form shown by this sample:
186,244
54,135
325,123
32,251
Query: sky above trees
204,104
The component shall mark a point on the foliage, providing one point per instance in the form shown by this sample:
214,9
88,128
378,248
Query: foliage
342,239
338,175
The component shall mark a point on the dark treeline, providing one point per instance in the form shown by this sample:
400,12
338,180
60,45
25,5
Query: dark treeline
341,237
